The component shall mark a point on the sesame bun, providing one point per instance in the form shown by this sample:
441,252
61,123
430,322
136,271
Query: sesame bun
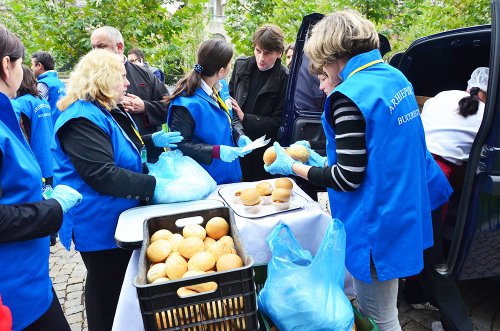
264,188
281,195
283,183
250,197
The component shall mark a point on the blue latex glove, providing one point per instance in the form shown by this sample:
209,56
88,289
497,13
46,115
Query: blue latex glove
166,139
243,141
161,193
229,153
66,196
315,159
304,143
283,163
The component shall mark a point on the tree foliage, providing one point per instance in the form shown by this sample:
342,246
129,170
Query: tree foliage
64,27
400,21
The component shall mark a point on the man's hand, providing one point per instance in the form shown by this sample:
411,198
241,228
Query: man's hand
237,108
133,104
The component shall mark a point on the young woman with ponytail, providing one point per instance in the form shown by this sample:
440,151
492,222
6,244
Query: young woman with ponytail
451,120
200,108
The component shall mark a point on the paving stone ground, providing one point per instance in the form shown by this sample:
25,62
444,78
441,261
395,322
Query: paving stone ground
481,296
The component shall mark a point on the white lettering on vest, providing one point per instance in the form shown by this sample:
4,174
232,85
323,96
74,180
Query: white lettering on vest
408,117
403,93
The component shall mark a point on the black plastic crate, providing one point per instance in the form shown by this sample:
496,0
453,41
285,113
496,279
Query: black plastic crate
232,306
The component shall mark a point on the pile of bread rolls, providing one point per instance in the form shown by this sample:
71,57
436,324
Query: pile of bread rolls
198,250
264,194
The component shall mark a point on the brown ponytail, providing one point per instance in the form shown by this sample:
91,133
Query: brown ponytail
469,105
212,55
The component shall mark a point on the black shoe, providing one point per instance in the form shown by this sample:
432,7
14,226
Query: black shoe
53,239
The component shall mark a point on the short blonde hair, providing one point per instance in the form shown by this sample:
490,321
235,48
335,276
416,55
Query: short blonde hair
343,34
94,79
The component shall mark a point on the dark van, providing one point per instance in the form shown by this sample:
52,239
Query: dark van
435,63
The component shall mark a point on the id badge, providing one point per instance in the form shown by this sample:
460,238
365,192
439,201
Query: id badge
47,192
144,155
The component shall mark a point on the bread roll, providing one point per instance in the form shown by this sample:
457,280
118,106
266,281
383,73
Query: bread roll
283,183
250,197
264,188
298,152
281,195
269,156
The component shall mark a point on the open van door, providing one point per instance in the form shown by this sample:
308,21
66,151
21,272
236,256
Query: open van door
445,61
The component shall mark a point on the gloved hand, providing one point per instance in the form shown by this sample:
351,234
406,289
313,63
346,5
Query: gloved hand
166,139
66,196
161,193
243,141
304,143
229,153
315,159
283,163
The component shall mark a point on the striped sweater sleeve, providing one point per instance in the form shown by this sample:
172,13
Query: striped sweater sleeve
349,171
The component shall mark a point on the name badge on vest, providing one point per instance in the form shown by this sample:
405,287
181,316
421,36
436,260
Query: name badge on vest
144,154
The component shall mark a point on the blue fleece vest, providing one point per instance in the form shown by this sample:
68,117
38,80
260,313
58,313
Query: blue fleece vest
42,131
92,223
389,214
25,284
57,90
212,127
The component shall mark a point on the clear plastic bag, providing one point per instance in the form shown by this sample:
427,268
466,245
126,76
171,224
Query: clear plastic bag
306,293
188,181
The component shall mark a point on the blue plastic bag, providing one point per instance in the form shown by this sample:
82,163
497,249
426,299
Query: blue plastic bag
188,181
305,293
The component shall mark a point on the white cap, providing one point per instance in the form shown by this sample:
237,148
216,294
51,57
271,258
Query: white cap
479,78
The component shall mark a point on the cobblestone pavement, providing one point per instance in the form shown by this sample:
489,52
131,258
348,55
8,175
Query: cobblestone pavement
482,296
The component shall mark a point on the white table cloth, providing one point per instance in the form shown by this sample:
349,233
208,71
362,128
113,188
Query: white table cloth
308,224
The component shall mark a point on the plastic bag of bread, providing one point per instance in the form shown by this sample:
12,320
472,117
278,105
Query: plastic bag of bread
188,181
314,285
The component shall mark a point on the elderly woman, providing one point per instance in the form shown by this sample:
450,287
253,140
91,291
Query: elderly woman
99,151
26,220
376,166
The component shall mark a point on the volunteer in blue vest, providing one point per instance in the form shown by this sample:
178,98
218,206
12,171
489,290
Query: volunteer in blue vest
50,86
26,219
200,108
100,152
37,122
376,170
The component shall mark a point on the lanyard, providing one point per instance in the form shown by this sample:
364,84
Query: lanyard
369,64
223,105
138,135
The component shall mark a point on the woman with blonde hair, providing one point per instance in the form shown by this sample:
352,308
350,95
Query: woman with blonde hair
99,151
376,165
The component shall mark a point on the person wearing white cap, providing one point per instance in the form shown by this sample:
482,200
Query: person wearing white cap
452,118
451,121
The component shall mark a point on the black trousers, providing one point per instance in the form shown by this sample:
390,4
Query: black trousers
442,291
105,273
52,320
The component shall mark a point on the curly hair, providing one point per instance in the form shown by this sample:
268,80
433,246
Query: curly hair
94,79
343,34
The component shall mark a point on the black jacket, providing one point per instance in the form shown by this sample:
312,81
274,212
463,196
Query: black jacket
147,87
264,118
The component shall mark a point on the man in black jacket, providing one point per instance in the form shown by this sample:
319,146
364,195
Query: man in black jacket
144,99
258,86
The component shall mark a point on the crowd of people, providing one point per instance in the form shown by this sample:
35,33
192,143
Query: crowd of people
74,156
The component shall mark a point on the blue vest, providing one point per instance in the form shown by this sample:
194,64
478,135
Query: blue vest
25,284
212,127
57,90
92,223
389,214
42,131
